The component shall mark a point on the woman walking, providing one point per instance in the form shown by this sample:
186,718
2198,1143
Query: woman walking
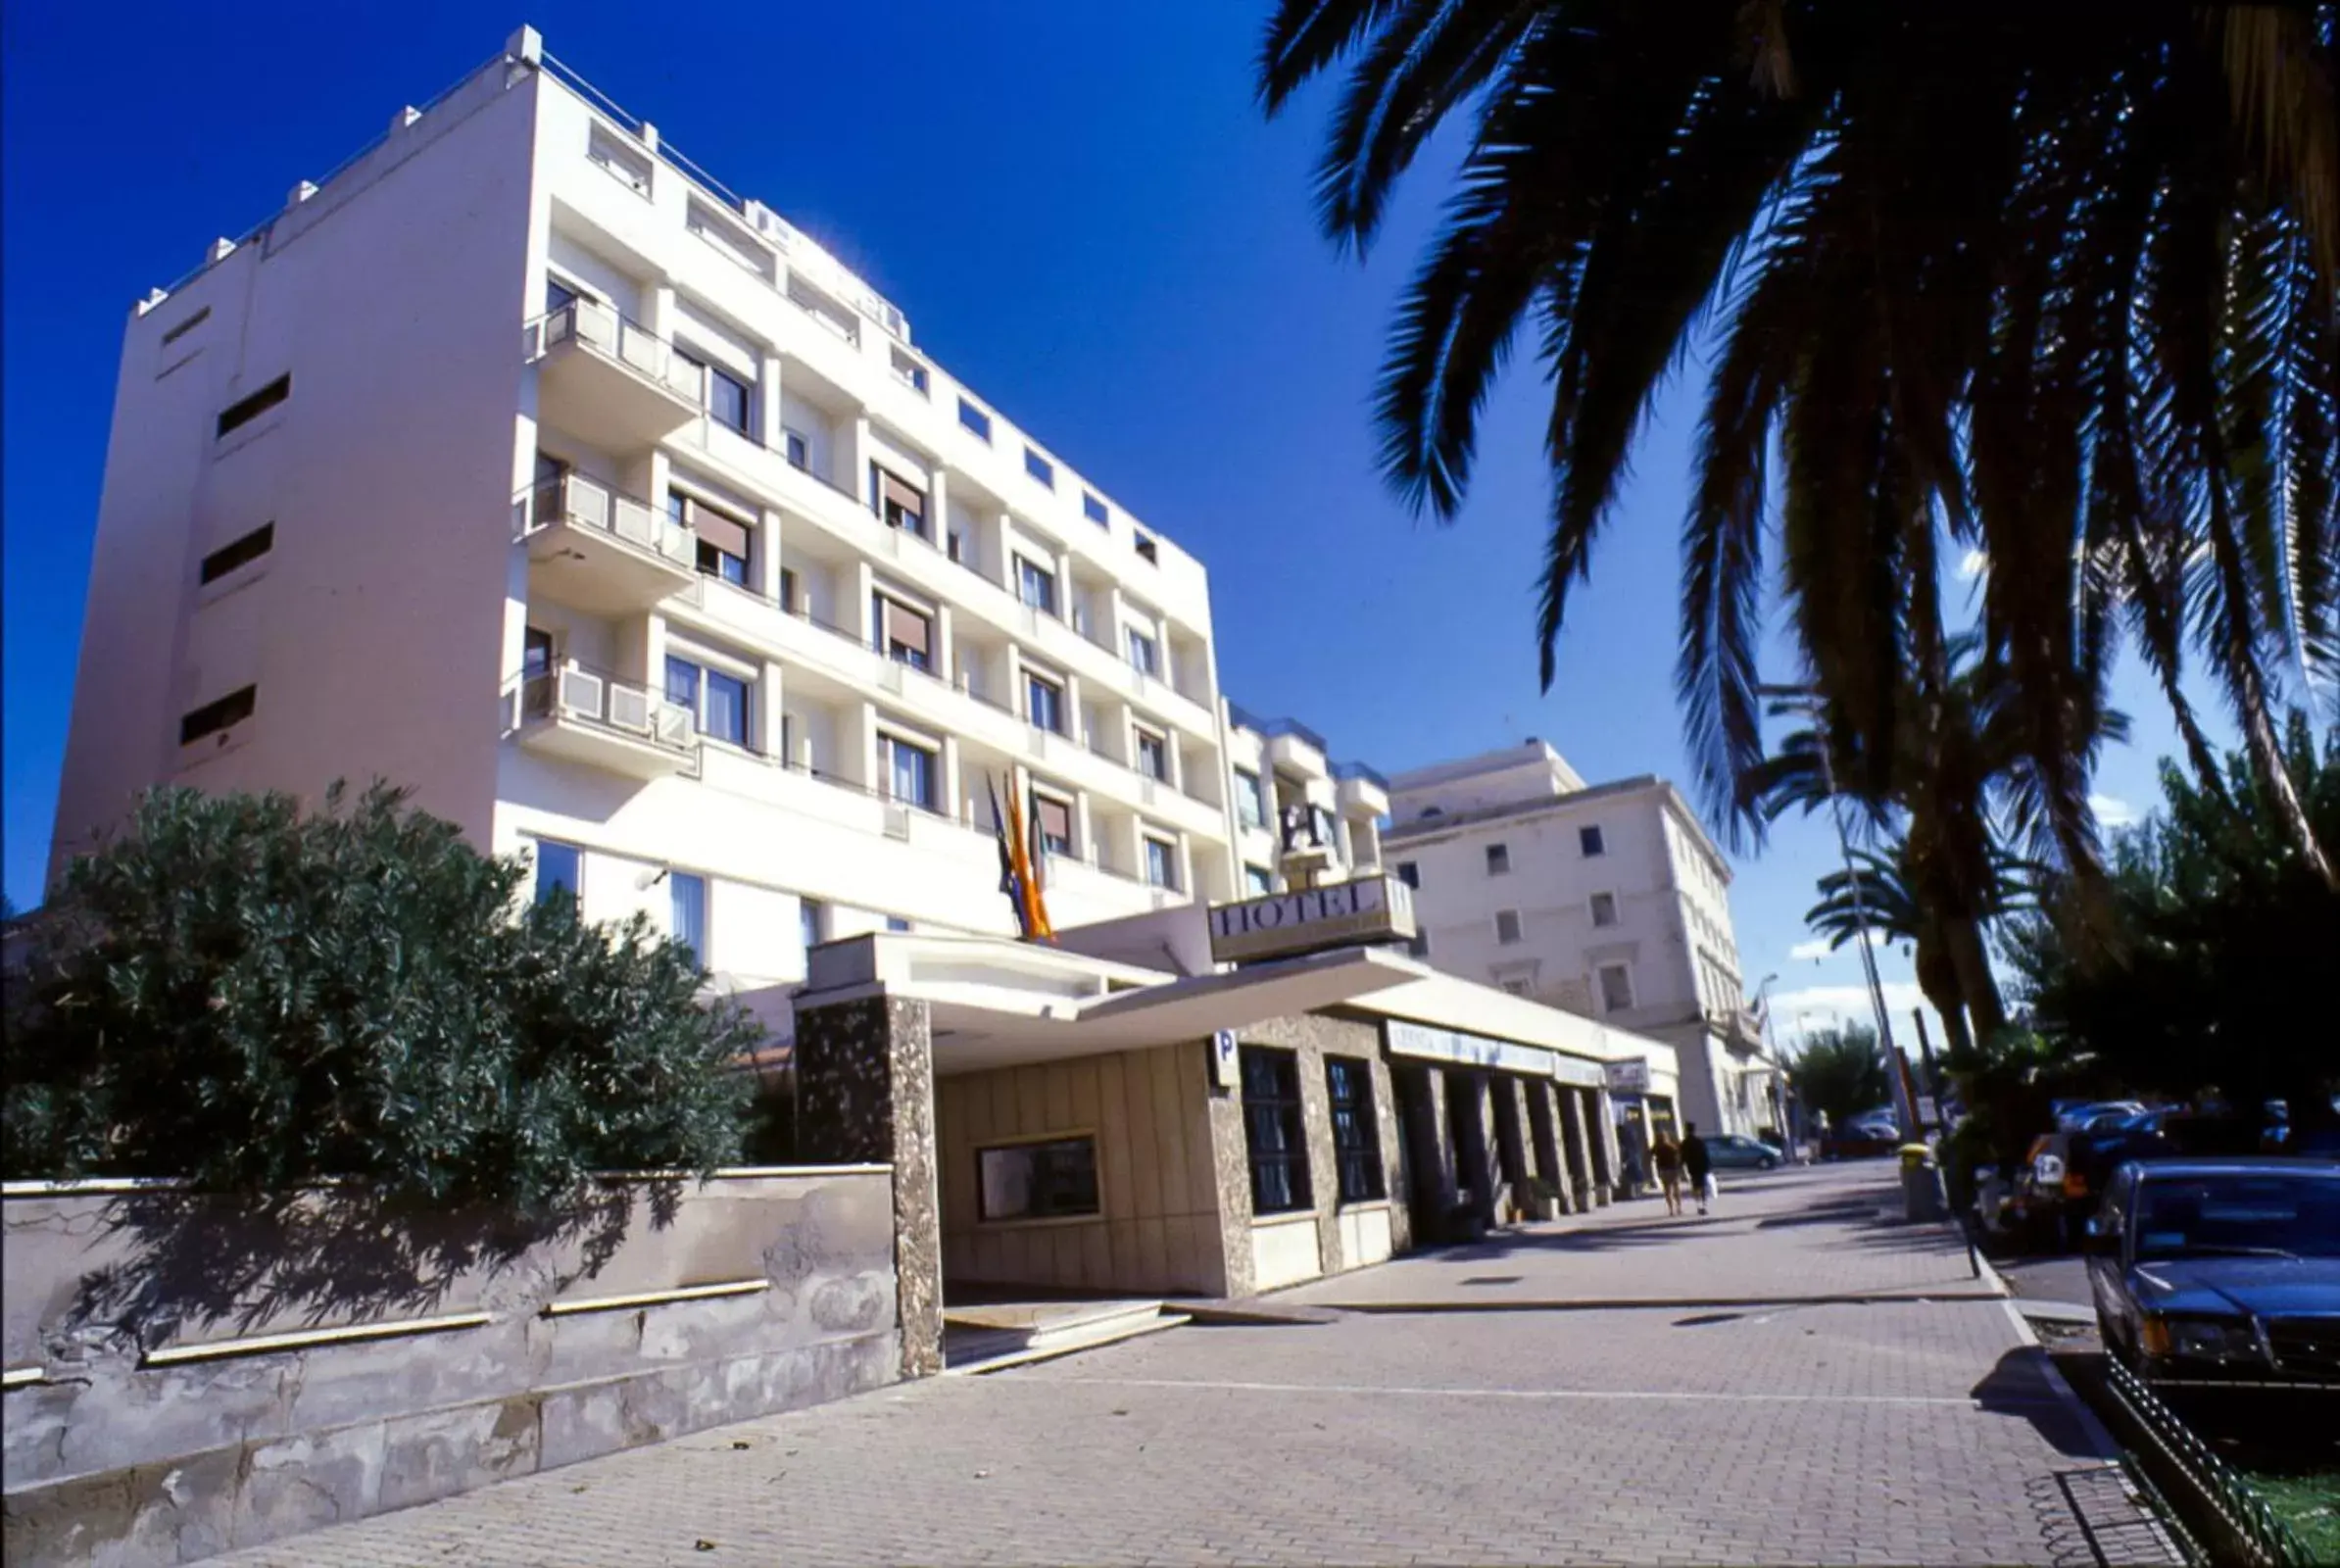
1666,1155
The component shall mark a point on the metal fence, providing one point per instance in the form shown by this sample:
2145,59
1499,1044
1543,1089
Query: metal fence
2220,1509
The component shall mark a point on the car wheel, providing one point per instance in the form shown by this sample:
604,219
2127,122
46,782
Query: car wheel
1766,1164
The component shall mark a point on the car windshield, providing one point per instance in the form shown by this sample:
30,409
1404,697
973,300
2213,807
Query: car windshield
2272,1214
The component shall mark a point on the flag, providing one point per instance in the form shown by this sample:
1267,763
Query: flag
1036,881
1011,882
1031,914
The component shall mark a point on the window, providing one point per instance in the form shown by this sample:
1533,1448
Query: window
1153,757
1039,467
800,453
1037,1181
1616,988
812,916
1409,874
1321,830
726,399
1274,1130
1604,908
1144,654
895,923
1588,840
689,896
974,418
1356,1136
1499,859
1145,547
1259,880
904,635
1054,820
244,410
1044,702
559,868
536,652
1035,585
717,702
1517,988
1250,805
1507,926
237,553
1161,863
910,373
788,589
187,325
911,771
1419,946
901,504
1092,507
558,296
722,539
215,716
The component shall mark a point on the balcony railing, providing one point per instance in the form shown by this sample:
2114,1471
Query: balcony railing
581,694
582,503
603,330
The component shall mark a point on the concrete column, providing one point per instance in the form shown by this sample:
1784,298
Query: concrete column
1184,861
764,563
866,1093
769,406
859,449
1072,706
1580,1160
770,728
1430,1151
862,618
938,507
863,744
953,802
1084,833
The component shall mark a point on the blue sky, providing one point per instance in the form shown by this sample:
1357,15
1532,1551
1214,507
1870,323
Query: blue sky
1082,213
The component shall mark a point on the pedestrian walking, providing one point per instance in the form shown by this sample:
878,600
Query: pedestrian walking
1697,1164
1666,1155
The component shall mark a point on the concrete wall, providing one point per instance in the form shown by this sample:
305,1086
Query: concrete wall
121,1453
1158,1175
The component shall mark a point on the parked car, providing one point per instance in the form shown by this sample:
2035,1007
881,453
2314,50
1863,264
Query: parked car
2064,1173
1737,1151
2077,1118
2218,1278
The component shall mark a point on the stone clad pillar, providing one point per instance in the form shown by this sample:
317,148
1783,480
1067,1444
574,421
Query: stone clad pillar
1602,1136
865,1094
1544,1137
1580,1160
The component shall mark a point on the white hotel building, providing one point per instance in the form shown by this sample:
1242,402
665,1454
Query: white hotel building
520,463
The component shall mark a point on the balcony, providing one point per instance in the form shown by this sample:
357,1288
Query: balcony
602,552
608,380
584,715
1360,790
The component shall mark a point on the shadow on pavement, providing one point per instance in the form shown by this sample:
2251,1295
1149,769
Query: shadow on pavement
2019,1386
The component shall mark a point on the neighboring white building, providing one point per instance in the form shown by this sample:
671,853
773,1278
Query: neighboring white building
521,463
1608,900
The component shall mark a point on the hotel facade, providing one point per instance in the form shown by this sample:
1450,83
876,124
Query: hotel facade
521,463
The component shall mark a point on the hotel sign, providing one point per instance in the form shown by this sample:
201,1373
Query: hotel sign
1285,925
1498,1056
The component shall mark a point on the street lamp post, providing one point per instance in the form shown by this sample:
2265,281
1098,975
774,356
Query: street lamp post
1803,698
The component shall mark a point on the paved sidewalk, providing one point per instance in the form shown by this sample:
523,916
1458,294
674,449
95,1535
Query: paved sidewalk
1858,1431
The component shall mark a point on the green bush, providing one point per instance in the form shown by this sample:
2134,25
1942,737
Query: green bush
253,1000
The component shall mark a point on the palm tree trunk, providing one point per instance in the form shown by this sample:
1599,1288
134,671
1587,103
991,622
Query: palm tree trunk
1986,1012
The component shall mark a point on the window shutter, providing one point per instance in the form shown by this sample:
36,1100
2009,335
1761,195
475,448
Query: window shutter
901,495
1055,817
728,534
906,628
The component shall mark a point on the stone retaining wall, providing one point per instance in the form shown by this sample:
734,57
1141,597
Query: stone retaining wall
186,1375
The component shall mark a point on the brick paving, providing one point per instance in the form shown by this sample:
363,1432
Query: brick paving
1888,1429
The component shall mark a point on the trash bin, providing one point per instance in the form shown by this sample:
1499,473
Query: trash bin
1922,1185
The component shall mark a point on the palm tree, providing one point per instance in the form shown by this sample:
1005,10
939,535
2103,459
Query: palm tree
1953,782
2061,291
1881,892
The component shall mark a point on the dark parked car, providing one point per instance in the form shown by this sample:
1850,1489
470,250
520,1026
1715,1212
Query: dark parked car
1733,1152
2221,1276
2066,1172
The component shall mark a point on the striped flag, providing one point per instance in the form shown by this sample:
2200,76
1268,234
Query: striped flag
1011,880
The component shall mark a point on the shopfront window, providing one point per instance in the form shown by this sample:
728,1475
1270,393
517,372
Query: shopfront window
1037,1181
1356,1136
1275,1130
